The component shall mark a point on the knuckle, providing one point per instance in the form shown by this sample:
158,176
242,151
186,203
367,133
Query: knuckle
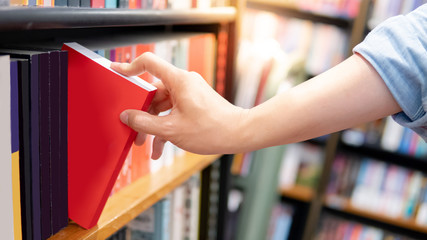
136,122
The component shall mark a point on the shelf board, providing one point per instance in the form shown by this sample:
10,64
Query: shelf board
290,10
298,192
344,205
132,200
32,18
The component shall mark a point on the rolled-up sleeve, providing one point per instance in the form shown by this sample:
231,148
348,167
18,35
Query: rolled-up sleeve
397,49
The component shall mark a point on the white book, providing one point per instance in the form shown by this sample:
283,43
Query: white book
6,199
289,167
392,135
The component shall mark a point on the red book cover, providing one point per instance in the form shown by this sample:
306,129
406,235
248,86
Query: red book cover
97,141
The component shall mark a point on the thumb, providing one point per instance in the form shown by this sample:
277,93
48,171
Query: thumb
142,122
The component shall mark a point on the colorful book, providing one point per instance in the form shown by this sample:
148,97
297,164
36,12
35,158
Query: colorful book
6,199
97,141
14,113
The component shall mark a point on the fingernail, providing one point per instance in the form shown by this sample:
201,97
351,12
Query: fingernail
124,117
115,65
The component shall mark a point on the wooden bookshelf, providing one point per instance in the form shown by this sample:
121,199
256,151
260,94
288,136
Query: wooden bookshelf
345,205
298,192
128,203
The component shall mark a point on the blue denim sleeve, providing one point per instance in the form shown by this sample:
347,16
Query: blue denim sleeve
397,49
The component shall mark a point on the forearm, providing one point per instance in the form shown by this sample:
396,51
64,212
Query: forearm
346,95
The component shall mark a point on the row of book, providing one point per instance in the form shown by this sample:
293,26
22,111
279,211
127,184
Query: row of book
175,217
272,59
40,113
378,187
336,8
128,4
35,102
336,228
383,9
301,165
388,135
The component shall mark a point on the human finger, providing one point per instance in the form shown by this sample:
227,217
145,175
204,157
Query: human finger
147,62
158,145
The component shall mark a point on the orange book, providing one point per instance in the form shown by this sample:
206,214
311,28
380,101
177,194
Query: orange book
140,49
201,56
97,141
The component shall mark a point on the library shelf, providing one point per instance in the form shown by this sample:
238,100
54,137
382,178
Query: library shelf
129,202
290,10
36,18
298,192
344,205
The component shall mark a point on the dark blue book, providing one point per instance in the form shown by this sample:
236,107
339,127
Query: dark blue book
63,139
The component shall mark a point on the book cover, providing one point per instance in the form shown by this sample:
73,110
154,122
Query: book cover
6,199
97,141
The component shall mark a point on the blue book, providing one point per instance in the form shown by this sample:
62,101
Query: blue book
111,3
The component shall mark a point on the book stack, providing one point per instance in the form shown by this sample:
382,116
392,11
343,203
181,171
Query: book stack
39,129
174,217
127,4
378,187
336,228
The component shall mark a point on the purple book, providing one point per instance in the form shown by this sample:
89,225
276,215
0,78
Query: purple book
63,139
44,144
58,130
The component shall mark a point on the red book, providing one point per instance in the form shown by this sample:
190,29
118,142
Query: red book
97,141
201,56
97,3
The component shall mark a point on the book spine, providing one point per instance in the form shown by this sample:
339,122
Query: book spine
73,3
61,3
44,140
35,155
15,122
63,140
85,3
25,150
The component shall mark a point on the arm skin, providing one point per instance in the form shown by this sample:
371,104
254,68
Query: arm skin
203,122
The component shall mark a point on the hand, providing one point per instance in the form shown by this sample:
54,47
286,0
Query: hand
200,121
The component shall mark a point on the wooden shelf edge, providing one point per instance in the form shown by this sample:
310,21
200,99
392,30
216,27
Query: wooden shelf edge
297,192
128,203
344,205
36,18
